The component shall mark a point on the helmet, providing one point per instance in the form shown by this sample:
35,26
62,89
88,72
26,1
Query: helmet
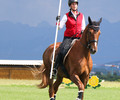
71,1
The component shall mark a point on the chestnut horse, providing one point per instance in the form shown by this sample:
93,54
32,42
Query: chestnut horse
78,62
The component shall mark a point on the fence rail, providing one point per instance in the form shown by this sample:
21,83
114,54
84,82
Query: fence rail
16,72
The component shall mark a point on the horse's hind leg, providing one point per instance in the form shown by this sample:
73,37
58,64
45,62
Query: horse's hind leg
78,82
57,84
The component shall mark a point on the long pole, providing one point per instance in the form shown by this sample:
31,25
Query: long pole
53,57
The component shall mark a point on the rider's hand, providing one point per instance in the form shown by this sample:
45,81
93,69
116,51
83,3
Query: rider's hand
58,18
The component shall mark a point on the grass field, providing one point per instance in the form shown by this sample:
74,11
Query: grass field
27,90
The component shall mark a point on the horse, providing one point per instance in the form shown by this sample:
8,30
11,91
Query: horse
78,62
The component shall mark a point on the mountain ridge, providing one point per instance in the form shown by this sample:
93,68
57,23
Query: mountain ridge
21,41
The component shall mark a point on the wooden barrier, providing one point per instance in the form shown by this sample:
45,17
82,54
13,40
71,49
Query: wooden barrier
16,72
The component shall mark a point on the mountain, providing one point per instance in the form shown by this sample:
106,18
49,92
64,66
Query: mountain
21,41
111,67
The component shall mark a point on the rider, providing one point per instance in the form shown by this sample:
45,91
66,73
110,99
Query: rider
75,24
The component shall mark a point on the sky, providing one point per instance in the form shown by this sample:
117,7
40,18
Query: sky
33,12
36,12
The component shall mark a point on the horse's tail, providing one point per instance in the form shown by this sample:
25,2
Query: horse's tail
43,77
41,74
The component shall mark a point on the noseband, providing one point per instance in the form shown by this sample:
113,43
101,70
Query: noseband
92,41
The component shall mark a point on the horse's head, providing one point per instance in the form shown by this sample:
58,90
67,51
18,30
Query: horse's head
93,34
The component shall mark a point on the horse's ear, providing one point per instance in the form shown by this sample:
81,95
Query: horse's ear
89,20
100,20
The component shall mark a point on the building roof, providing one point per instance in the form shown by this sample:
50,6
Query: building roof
21,62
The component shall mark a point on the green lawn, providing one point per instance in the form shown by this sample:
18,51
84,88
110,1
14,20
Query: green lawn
26,90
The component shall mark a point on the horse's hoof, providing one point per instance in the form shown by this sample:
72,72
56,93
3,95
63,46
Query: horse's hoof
78,99
52,99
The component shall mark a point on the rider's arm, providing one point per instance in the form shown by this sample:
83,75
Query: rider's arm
83,23
63,21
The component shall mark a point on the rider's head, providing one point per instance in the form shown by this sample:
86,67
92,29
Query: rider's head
73,4
72,1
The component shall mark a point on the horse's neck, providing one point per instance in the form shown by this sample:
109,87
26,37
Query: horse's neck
82,44
83,40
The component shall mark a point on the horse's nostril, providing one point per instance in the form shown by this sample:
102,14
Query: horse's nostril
93,51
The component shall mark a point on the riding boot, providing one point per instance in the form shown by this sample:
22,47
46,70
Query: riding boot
56,64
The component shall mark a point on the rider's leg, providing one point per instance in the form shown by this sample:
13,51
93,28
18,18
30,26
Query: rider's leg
56,64
64,47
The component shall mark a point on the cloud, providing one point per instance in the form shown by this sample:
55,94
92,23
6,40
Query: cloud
33,12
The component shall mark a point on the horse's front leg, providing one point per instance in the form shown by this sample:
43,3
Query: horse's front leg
75,78
84,79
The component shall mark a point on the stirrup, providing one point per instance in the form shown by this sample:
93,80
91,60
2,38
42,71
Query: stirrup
54,73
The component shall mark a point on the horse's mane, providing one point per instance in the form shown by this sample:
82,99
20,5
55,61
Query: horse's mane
86,28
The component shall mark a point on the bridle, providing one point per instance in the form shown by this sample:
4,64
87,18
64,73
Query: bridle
95,28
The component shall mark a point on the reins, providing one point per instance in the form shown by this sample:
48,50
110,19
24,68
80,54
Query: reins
75,35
